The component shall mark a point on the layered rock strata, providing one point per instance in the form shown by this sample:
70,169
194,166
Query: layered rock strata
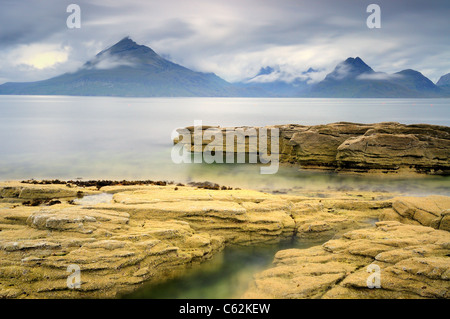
381,147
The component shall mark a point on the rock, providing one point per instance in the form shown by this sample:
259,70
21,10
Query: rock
151,233
74,219
35,194
47,193
381,147
239,216
316,149
134,252
413,260
332,217
430,211
10,192
393,151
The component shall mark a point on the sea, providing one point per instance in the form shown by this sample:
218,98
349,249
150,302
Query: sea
117,138
64,137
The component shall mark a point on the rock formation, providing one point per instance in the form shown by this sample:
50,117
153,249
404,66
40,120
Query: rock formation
381,147
413,263
148,233
432,211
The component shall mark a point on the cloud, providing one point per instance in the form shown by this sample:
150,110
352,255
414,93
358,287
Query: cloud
278,75
379,76
340,72
40,56
288,75
106,61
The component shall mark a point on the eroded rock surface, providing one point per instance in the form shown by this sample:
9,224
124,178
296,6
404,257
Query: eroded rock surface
150,233
433,211
381,147
413,263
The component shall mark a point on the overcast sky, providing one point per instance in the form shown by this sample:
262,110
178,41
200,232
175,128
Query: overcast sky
232,38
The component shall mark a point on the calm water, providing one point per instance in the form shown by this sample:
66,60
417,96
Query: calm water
227,275
130,138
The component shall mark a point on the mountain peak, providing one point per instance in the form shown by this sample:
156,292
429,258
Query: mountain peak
126,39
310,70
126,42
127,47
410,72
350,68
265,70
415,80
358,64
125,52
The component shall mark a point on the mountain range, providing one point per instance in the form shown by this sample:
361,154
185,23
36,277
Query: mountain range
130,69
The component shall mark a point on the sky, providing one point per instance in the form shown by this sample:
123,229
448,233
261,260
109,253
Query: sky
232,38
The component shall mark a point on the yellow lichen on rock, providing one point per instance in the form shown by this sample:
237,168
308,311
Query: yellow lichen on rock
151,233
413,263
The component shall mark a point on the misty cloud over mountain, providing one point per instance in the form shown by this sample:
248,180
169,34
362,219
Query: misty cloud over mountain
130,69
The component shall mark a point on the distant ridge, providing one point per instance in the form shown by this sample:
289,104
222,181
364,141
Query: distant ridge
353,78
129,69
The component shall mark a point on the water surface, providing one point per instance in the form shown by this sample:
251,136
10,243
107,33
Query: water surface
227,275
45,137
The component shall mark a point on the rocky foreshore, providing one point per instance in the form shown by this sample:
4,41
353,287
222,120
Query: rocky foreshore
413,262
147,233
387,147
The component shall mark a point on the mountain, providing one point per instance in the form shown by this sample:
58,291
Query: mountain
416,81
444,84
127,69
353,78
130,69
348,69
444,80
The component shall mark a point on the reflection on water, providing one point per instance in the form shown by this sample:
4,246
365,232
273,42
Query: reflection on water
226,275
291,179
